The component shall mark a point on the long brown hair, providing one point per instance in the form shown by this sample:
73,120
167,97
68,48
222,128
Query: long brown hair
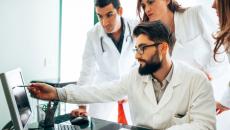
223,35
173,6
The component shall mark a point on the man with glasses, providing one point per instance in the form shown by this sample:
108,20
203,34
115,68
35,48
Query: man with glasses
108,55
163,94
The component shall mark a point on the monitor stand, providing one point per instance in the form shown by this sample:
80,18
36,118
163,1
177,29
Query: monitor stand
49,118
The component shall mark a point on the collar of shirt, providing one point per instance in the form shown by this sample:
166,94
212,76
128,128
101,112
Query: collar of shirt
165,81
159,88
119,43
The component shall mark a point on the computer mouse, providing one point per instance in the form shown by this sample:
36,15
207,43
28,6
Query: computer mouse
80,120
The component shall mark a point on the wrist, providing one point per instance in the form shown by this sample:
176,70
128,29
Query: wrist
56,94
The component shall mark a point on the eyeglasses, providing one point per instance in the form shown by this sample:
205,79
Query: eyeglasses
141,48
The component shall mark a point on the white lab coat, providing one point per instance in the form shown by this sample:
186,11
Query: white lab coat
102,62
225,100
189,94
193,30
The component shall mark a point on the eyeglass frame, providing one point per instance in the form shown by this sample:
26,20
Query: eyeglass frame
140,50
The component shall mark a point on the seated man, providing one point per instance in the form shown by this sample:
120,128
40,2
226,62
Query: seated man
163,94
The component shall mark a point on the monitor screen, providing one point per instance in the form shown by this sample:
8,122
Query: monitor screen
17,99
22,104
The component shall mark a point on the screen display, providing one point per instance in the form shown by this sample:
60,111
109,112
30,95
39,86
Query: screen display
22,104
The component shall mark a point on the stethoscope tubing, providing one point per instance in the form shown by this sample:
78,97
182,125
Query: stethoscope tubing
101,38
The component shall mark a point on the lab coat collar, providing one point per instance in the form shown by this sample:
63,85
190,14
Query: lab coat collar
149,91
176,78
127,34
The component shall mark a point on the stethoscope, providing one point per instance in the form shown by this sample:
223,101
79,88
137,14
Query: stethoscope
127,37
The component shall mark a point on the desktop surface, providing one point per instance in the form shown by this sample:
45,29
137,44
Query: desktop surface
99,124
94,124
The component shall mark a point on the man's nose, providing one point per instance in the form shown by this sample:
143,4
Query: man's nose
147,9
137,55
105,22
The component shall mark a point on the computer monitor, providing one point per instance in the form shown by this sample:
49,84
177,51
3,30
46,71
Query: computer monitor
16,98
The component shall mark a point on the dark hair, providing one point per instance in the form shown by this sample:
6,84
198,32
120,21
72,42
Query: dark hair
223,35
172,6
103,3
156,32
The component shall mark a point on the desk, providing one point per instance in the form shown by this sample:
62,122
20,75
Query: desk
99,124
95,124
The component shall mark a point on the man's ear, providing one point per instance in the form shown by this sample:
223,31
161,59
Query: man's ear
164,48
120,11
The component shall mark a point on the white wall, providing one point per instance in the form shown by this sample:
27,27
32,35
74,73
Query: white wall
29,39
129,9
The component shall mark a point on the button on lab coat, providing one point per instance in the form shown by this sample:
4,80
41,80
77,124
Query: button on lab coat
187,104
103,62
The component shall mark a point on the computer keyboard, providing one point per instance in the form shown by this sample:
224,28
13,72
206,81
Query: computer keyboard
66,127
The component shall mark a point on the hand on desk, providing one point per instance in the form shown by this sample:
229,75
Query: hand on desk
81,111
123,101
43,91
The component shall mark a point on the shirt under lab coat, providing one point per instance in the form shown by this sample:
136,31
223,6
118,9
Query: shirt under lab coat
187,104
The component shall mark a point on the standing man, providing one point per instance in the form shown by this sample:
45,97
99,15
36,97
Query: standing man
108,54
163,94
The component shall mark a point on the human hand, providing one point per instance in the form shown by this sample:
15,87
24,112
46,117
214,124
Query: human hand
209,76
81,111
123,101
43,91
220,108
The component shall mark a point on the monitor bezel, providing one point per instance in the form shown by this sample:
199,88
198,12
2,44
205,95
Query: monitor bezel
11,102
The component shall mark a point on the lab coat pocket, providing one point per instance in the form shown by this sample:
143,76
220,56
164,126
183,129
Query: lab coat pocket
105,55
106,61
106,58
102,57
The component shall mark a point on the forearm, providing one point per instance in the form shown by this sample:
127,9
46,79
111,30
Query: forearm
62,96
106,92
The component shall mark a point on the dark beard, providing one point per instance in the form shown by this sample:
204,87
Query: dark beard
151,67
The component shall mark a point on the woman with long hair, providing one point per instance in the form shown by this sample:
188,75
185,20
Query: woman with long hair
223,40
223,35
193,28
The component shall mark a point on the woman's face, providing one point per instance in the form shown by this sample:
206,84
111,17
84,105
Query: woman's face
155,9
215,6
